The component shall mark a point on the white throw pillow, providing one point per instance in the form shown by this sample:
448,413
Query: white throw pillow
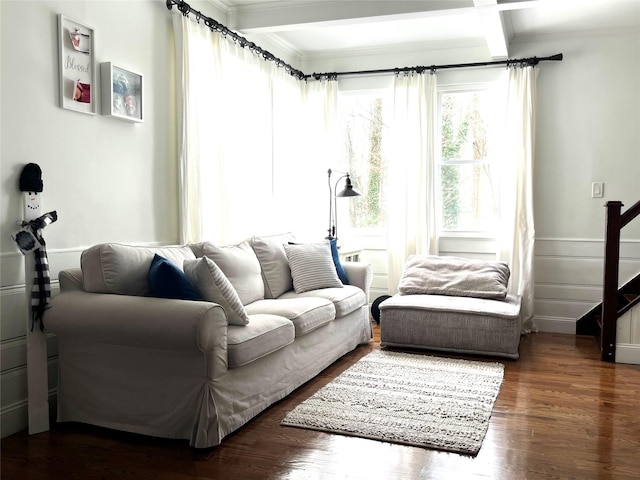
274,263
240,265
212,284
312,266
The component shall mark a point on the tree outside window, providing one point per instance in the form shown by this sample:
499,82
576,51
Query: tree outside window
467,200
466,187
363,130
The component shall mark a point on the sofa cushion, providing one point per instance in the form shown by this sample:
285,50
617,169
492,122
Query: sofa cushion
346,299
263,335
312,266
275,266
166,280
124,269
213,286
239,264
306,313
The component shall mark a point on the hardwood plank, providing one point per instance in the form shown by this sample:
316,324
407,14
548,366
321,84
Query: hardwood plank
561,413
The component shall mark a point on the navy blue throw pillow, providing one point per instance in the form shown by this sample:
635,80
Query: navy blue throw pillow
342,275
167,281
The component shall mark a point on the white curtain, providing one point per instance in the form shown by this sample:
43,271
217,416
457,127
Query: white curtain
411,224
243,135
305,142
516,237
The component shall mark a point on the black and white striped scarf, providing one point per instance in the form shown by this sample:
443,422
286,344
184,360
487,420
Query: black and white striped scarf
41,290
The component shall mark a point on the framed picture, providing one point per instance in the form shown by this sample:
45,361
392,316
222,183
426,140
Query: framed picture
121,92
76,50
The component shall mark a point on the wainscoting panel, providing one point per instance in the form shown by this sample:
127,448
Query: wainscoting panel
568,273
378,261
13,359
628,327
15,414
13,340
14,352
478,248
12,265
13,311
568,277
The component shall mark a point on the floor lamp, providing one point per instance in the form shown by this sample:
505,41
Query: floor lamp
347,191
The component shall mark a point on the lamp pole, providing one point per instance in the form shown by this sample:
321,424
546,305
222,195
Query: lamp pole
331,229
348,191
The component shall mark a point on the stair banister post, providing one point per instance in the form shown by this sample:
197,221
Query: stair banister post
610,281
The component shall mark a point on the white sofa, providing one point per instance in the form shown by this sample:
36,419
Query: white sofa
178,368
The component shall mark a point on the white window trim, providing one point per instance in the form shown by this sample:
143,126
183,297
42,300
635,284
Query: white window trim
440,232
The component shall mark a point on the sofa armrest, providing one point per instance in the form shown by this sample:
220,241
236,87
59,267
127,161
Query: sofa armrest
144,322
359,274
70,279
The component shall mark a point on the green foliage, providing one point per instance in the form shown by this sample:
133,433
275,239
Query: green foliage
452,142
366,211
372,196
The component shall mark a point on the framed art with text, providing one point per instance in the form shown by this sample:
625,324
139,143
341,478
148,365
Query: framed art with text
76,50
121,92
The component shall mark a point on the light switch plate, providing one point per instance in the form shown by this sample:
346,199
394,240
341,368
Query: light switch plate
597,190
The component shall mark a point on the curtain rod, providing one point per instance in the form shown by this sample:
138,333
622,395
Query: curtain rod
214,25
531,61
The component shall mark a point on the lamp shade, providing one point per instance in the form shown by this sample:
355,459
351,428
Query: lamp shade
348,190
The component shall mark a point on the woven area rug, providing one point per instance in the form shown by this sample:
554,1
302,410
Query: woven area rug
411,399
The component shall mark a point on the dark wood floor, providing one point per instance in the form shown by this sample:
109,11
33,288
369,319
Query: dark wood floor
560,414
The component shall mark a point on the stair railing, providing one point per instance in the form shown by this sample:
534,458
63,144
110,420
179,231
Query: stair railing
615,222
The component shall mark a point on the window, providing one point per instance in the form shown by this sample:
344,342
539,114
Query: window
362,128
467,191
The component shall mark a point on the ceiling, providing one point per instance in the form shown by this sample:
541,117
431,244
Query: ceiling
308,28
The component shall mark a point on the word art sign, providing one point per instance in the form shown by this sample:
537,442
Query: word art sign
77,66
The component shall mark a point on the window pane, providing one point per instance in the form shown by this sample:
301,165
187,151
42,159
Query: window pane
363,130
465,123
466,187
467,197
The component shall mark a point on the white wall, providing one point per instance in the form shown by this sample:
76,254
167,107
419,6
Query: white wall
108,179
588,120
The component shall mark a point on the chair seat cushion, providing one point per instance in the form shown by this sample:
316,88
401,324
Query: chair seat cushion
306,313
452,324
346,299
507,308
263,335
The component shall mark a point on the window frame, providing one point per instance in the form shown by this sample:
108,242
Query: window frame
438,162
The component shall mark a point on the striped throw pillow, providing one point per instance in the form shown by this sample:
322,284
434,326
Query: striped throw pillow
312,266
215,287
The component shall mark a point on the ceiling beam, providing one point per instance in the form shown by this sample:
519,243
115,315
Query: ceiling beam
294,15
287,15
493,27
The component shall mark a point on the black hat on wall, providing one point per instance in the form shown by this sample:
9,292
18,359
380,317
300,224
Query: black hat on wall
31,178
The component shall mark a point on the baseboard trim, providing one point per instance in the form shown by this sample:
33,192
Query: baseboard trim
15,418
555,324
628,353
